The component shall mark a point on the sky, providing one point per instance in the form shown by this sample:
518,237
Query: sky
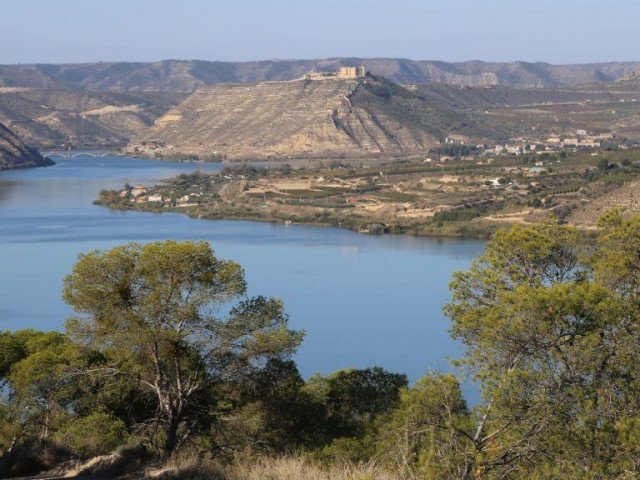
555,31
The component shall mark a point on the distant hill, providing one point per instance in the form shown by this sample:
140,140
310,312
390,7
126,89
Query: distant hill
305,118
15,154
48,118
111,104
189,75
464,97
630,78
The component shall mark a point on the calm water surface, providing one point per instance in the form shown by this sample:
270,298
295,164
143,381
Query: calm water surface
363,300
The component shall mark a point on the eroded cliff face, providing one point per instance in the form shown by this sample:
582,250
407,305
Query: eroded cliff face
15,154
303,118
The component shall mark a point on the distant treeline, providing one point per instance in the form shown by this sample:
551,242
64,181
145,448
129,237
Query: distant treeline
454,150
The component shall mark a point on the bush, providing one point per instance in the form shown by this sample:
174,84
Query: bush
97,434
603,164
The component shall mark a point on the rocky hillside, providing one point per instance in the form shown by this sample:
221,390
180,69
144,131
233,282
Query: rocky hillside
49,118
632,78
15,154
188,75
625,197
304,118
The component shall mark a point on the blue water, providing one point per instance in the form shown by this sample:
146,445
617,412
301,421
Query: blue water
363,300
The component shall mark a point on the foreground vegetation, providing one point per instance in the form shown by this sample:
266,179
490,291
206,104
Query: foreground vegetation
468,198
167,356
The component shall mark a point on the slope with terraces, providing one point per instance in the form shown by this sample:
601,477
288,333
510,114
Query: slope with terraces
328,118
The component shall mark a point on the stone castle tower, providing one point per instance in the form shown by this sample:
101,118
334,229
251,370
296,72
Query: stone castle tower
352,72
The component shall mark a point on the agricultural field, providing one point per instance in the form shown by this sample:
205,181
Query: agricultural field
470,198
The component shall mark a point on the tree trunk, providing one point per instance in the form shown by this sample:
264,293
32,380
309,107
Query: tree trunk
171,441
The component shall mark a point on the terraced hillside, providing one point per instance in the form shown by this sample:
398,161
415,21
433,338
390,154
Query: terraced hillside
304,118
15,154
49,118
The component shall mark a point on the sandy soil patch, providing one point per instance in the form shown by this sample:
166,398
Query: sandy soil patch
371,207
229,191
429,184
418,213
50,119
168,118
448,179
14,89
280,187
293,185
513,217
112,109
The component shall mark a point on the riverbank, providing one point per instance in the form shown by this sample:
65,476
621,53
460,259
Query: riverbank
464,199
360,225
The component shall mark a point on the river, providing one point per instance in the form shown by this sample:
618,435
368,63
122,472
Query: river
362,300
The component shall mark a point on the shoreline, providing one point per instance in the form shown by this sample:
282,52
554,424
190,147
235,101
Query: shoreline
586,233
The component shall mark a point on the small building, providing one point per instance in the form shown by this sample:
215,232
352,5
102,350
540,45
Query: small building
152,144
605,136
138,190
155,198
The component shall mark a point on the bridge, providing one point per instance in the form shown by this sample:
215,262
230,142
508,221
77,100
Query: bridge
72,154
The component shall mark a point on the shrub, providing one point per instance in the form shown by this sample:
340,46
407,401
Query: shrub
96,434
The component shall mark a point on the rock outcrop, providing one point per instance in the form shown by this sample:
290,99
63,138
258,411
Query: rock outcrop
15,154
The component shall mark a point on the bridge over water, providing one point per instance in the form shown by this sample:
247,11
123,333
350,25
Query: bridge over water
72,154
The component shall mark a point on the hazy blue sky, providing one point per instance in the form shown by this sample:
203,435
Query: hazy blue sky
558,31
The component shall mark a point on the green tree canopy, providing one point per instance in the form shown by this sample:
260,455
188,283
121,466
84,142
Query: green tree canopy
38,376
354,397
157,314
551,334
423,436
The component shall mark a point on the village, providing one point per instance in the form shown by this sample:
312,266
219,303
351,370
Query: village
554,143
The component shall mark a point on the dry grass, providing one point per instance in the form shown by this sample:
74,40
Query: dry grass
265,468
295,468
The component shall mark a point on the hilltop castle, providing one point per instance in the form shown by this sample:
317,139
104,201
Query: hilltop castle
352,72
343,72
